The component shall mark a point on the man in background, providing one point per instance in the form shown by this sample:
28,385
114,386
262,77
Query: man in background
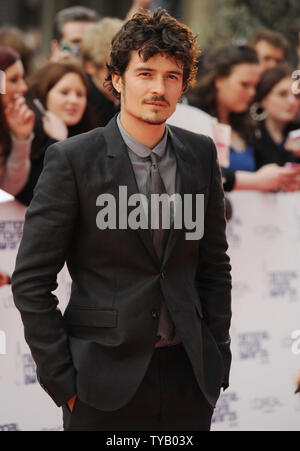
270,46
70,24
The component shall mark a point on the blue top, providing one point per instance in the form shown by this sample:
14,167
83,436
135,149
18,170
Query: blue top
242,161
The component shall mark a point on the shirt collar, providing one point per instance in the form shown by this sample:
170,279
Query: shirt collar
140,149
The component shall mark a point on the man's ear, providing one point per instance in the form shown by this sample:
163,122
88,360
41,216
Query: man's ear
117,82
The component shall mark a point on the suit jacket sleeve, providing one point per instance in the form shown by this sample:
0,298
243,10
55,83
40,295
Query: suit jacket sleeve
213,275
228,179
46,238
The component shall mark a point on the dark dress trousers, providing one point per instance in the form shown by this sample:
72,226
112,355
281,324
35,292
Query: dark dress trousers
102,346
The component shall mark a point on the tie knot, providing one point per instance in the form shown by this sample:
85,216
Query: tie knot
154,158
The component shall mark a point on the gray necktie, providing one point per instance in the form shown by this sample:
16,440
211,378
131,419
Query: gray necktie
155,185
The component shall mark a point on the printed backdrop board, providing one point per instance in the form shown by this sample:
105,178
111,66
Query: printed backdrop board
24,406
264,238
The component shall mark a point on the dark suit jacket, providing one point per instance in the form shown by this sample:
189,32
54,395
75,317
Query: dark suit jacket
101,347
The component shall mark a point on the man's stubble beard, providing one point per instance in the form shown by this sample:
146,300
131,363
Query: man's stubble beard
142,118
152,122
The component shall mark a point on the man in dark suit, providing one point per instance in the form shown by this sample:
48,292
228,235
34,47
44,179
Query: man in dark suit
144,342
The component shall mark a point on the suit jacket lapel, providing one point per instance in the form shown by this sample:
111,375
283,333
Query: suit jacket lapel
188,175
122,172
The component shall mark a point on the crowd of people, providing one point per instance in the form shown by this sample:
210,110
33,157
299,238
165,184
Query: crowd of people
252,92
249,87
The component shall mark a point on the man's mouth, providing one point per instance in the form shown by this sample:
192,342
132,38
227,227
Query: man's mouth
159,104
157,101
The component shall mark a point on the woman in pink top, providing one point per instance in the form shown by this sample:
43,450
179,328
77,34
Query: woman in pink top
16,123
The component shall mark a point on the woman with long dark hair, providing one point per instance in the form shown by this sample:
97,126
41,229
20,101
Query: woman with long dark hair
225,89
275,112
62,89
16,124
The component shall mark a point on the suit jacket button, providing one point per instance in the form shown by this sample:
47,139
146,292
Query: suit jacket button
163,274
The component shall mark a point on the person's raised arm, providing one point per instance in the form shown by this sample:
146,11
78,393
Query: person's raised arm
268,178
15,171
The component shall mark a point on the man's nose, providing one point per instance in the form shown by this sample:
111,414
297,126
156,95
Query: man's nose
158,87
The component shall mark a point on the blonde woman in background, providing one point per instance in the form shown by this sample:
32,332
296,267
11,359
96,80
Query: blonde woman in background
16,124
95,50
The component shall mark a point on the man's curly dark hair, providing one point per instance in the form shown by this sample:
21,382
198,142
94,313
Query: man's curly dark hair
151,34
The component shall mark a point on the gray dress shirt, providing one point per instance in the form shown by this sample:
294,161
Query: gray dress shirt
139,156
